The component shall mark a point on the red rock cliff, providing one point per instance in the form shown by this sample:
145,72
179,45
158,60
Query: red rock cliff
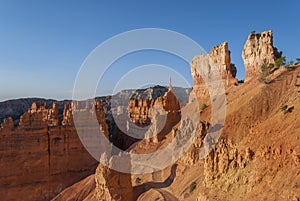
42,156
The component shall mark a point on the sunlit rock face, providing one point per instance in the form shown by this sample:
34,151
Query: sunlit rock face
215,66
43,154
220,55
112,185
257,50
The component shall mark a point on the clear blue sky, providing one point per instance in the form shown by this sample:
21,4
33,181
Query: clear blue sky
43,43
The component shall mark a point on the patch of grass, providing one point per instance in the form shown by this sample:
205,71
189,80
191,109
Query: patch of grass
266,69
204,106
193,186
280,61
138,180
284,108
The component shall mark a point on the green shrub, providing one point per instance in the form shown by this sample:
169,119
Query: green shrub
138,180
204,106
284,108
280,61
266,69
192,186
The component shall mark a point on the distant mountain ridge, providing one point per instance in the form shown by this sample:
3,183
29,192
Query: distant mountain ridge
16,107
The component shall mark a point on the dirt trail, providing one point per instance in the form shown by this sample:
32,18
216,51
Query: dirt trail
167,195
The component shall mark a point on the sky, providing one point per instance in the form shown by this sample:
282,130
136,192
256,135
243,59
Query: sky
44,43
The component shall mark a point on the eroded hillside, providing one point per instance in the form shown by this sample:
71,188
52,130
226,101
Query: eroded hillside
257,156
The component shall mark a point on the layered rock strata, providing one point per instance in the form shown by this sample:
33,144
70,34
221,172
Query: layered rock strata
43,155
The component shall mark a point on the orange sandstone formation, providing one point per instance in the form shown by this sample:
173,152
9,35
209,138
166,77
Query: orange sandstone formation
42,156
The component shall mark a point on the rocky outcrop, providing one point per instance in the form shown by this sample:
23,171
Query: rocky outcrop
140,110
7,124
220,55
16,108
110,184
192,155
38,116
43,155
224,158
257,50
218,60
163,112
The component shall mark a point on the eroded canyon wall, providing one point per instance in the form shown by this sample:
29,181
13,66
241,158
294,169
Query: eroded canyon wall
43,155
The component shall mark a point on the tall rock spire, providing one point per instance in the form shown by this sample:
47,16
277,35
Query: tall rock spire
217,60
170,85
259,49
